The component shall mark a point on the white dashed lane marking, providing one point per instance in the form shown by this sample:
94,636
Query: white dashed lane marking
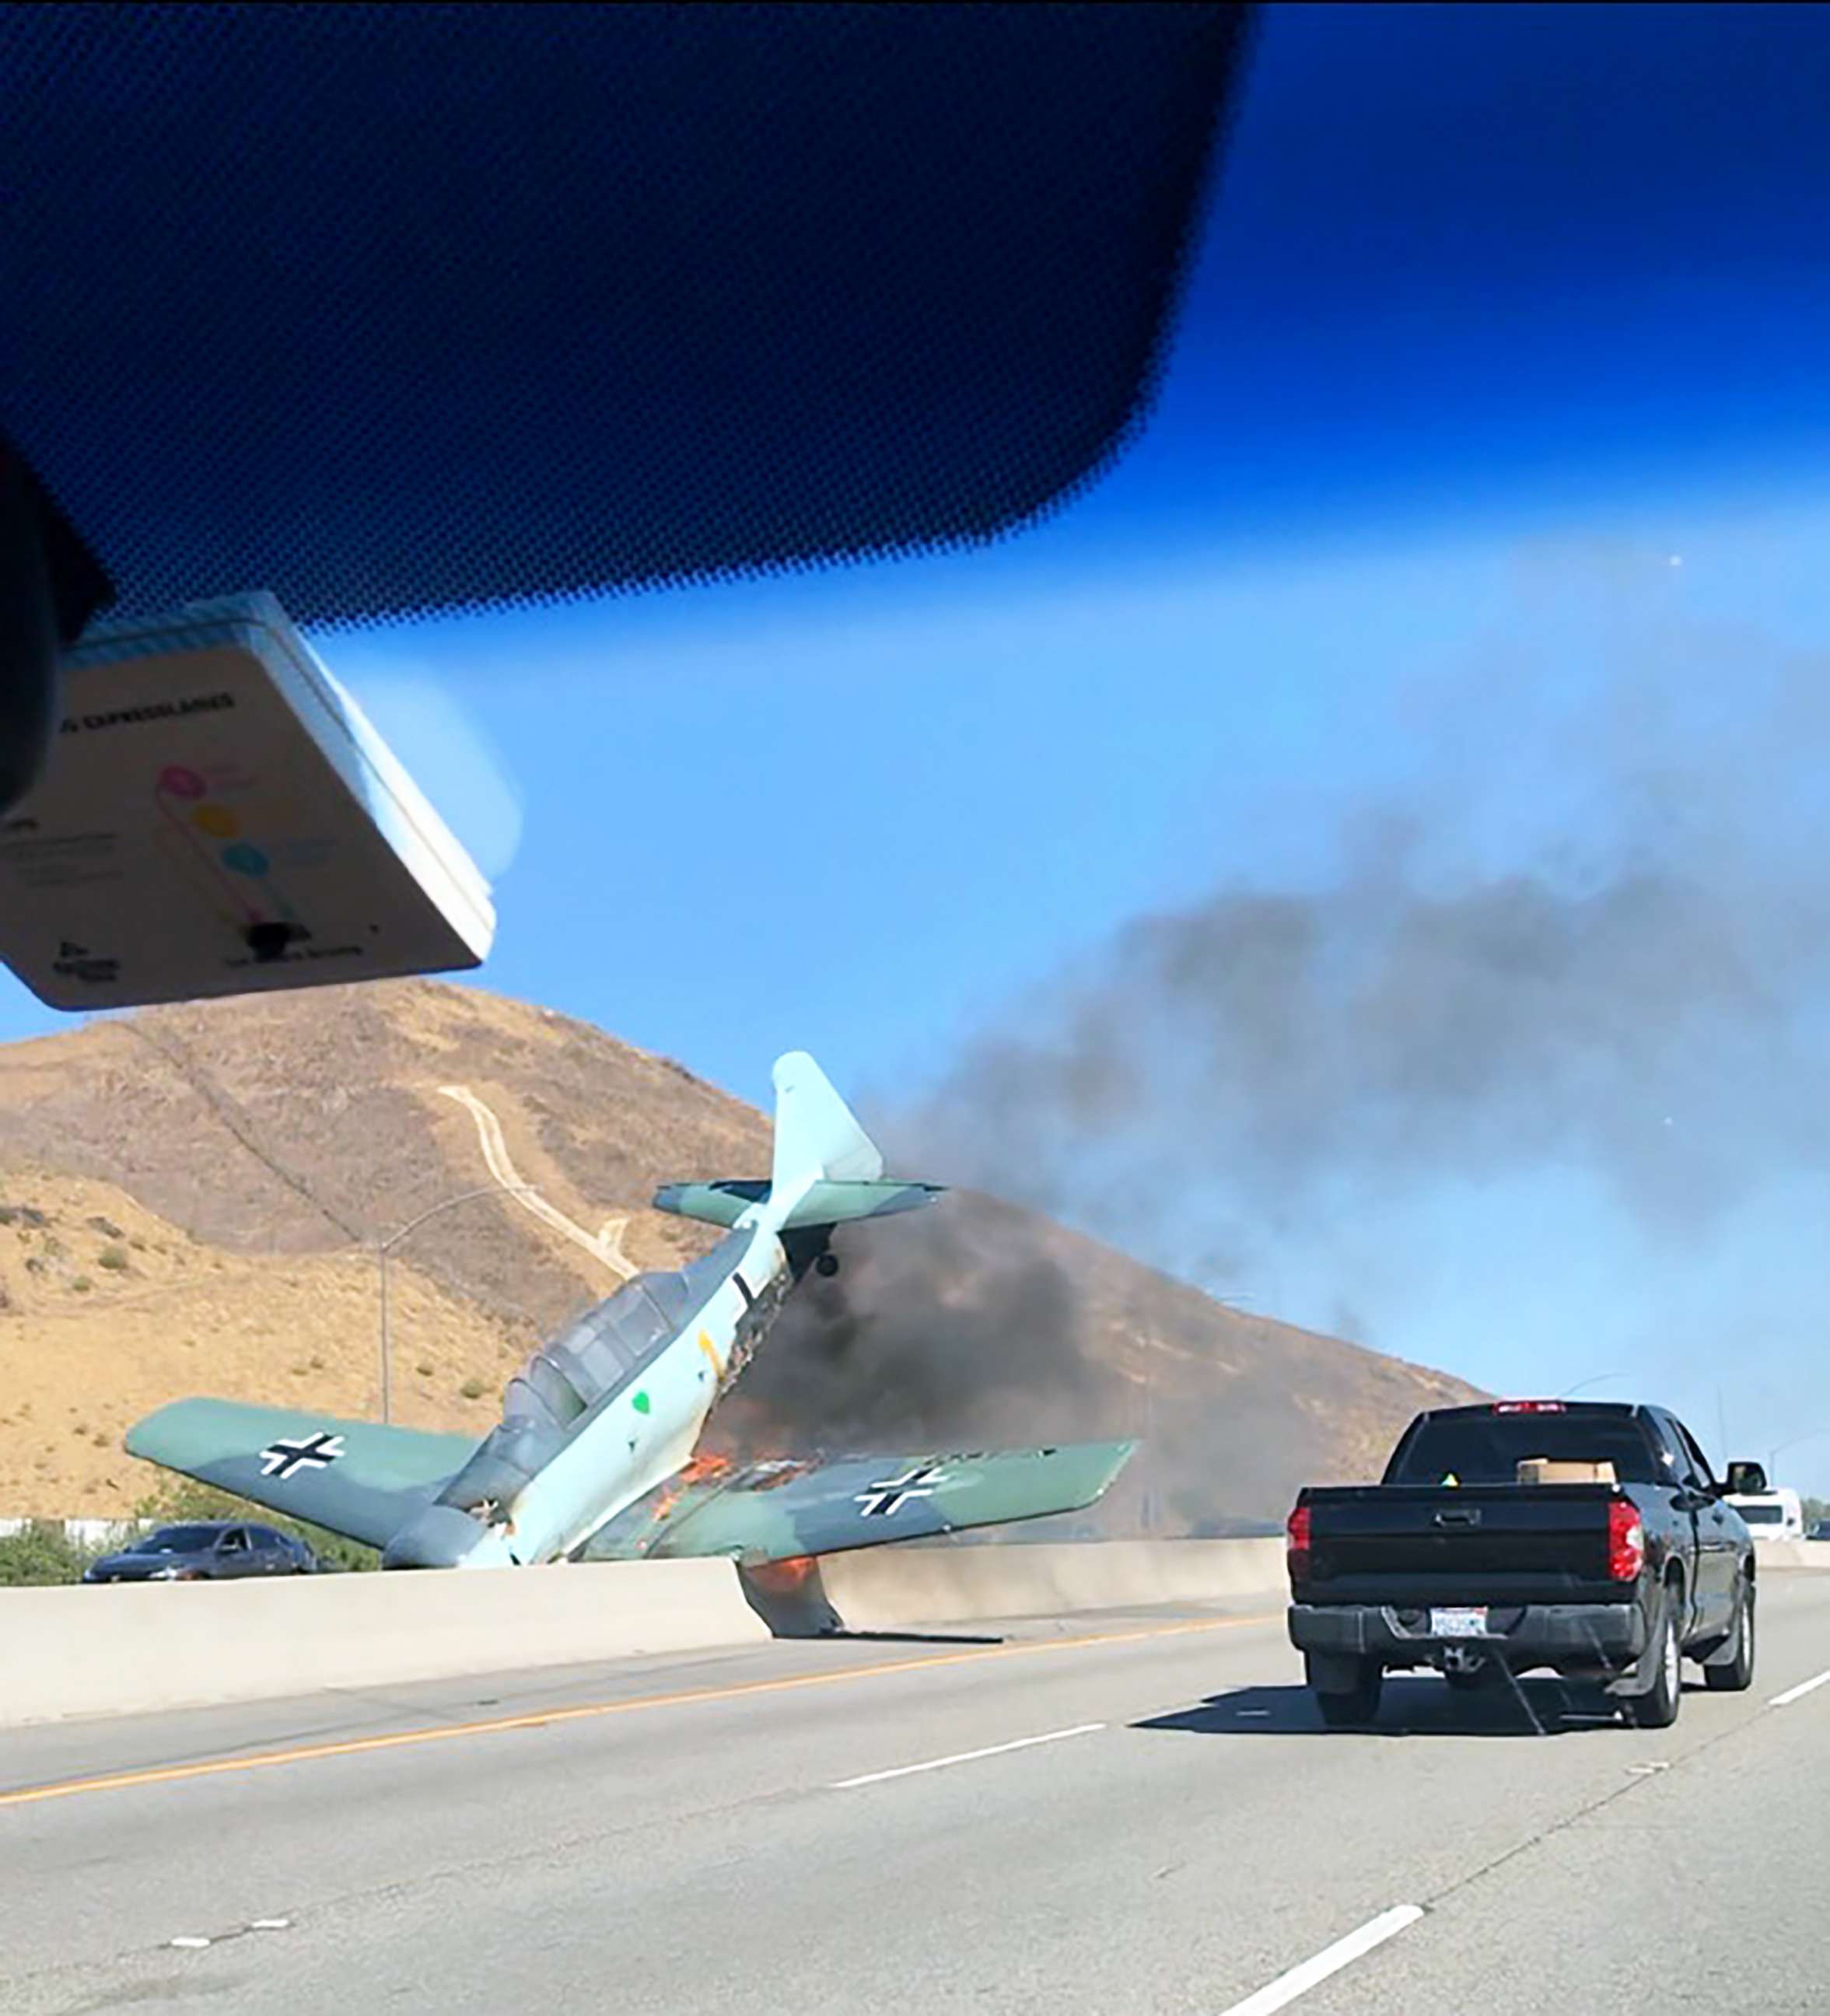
967,1756
1279,1994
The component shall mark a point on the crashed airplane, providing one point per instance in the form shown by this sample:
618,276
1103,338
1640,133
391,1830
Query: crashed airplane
593,1458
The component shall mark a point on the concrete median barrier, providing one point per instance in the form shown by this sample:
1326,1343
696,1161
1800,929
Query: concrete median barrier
1786,1555
132,1650
123,1650
889,1588
135,1650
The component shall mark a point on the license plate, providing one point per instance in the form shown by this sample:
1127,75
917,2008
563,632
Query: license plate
1459,1623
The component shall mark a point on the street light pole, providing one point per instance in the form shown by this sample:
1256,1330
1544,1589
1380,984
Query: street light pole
1599,1379
386,1360
386,1246
1774,1455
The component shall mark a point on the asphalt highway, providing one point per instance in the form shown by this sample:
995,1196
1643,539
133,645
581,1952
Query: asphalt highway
1126,1814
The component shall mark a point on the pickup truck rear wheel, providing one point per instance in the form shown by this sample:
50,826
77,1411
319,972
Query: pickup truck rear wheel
1736,1673
1354,1706
1657,1708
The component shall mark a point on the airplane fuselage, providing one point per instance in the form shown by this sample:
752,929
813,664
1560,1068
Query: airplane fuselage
649,1431
634,1436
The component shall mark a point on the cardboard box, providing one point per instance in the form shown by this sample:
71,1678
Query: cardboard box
1543,1470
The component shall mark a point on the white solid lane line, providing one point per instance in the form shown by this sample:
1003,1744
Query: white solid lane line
1804,1687
1279,1994
967,1756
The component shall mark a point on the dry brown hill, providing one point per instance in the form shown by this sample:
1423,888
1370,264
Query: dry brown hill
191,1199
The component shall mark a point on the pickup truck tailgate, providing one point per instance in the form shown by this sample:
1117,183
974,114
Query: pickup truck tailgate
1396,1544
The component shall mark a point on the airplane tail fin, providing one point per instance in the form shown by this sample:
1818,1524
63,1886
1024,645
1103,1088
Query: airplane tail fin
817,1137
828,1170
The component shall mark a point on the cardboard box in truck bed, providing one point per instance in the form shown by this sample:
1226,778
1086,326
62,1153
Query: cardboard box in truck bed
1542,1470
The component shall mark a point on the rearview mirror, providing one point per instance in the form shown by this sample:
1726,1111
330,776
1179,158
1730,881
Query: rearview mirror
1746,1480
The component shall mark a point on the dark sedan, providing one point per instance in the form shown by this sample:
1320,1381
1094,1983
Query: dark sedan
209,1550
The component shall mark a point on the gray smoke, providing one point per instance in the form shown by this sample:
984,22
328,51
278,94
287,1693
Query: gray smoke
1284,1055
1642,993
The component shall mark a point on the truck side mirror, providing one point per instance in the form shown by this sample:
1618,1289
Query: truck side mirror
1746,1480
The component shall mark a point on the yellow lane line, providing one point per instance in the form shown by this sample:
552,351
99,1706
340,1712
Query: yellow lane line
590,1711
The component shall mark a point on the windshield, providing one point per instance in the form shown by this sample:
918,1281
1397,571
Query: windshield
852,599
176,1540
1488,1448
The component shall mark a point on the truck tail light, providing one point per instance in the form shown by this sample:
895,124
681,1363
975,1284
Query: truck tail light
1529,1407
1296,1545
1626,1541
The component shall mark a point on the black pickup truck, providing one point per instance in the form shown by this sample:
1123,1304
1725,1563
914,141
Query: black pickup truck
1588,1537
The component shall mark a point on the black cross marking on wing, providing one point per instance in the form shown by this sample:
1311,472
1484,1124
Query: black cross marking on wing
884,1500
281,1459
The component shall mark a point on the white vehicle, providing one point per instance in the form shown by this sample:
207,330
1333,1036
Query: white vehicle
1772,1515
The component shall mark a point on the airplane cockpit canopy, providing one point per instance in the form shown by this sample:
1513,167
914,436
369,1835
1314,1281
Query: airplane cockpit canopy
623,1331
595,1357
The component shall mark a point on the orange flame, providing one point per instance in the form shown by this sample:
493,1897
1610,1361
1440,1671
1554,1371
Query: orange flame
706,1464
782,1577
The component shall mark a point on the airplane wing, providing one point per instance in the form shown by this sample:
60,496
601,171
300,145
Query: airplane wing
354,1477
784,1508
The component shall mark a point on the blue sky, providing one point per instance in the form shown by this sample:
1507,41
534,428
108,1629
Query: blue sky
1493,455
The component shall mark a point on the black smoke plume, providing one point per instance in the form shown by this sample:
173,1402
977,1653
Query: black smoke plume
946,1325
